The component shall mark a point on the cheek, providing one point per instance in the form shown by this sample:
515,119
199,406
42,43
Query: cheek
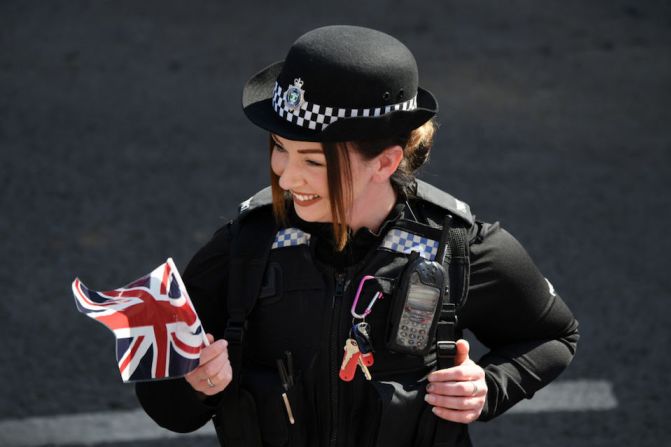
361,176
320,181
277,164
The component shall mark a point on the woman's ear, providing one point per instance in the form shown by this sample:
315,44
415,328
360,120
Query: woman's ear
387,163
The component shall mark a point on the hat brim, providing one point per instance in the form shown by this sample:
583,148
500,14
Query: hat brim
257,105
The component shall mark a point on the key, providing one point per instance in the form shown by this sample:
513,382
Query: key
362,336
367,359
350,360
364,368
361,333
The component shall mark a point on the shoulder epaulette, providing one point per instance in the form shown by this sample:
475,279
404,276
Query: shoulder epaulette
258,200
444,200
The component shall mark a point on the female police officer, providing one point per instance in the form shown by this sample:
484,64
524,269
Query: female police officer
332,295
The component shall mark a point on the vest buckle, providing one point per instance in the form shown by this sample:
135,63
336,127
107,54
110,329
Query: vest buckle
235,332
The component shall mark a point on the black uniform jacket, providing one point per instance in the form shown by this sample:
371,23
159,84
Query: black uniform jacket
304,308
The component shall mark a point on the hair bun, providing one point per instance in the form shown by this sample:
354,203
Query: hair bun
419,146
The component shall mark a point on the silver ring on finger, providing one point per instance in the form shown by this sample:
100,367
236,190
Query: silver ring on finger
475,388
210,383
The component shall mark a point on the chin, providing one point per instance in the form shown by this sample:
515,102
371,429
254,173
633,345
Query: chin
309,215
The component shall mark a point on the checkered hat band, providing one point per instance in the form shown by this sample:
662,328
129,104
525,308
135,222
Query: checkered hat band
290,237
318,117
403,242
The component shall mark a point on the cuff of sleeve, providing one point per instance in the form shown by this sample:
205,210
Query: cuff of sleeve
175,405
489,409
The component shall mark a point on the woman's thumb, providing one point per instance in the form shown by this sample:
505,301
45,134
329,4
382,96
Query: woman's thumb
462,352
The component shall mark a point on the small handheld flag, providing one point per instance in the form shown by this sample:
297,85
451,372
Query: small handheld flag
157,329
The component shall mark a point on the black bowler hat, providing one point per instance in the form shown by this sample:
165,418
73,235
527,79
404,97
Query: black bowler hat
340,83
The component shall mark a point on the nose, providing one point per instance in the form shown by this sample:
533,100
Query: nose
290,177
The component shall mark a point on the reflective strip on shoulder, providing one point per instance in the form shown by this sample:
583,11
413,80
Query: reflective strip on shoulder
258,200
290,237
402,241
551,288
244,206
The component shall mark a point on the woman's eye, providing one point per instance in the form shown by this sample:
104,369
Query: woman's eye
313,163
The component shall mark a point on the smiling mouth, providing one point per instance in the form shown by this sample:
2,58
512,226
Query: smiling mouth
305,199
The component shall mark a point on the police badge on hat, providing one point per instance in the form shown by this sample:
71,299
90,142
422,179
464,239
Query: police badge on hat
293,97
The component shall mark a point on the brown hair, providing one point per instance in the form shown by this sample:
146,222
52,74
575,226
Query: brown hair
416,148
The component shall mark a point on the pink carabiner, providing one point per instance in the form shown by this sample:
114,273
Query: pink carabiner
377,296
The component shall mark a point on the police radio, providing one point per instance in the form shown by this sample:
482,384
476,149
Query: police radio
416,306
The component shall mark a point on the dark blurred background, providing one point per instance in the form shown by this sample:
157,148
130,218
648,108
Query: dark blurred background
122,142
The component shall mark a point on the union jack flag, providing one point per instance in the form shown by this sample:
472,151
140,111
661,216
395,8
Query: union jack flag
157,329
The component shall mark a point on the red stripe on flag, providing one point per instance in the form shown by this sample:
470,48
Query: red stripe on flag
164,283
114,321
184,347
83,297
129,357
161,334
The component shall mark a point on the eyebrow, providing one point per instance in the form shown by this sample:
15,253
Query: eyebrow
302,151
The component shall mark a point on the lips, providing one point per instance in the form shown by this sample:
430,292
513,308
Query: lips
305,199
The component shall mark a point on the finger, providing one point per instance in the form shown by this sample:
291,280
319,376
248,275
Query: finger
223,377
210,338
462,388
213,350
212,359
462,417
209,369
212,378
466,371
462,352
220,381
212,368
454,403
196,379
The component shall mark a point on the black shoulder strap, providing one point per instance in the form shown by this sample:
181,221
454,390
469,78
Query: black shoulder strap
252,238
453,252
250,247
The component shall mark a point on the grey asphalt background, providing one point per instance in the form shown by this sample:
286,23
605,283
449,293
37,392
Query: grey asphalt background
122,143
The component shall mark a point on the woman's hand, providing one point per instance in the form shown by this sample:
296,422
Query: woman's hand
458,394
214,372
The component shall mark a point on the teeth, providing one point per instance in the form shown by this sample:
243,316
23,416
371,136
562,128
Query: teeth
304,198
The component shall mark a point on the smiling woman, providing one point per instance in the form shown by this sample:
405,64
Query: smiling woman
336,191
298,172
336,299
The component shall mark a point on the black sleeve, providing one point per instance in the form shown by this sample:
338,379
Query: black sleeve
515,312
173,403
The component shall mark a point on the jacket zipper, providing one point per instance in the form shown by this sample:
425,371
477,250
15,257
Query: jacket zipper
336,320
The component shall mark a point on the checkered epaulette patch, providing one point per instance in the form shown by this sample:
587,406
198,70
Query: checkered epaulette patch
402,241
290,237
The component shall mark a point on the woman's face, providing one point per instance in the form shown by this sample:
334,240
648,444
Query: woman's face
301,168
